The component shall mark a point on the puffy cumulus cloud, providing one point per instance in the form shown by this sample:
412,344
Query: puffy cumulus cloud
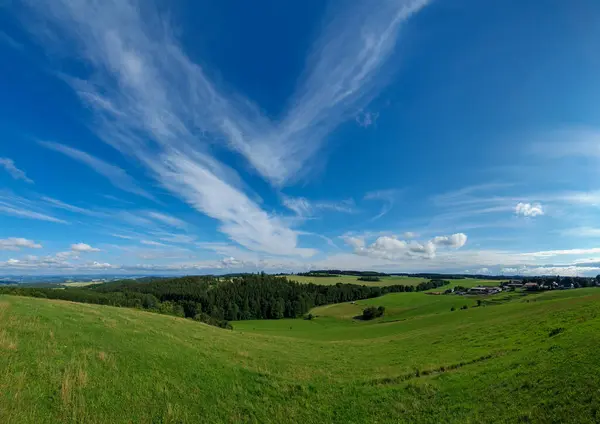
456,241
393,248
83,248
354,242
17,243
509,271
529,209
410,235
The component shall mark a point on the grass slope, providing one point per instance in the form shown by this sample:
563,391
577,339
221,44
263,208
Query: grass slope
66,362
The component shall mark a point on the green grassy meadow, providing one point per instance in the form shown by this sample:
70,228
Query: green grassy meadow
353,279
389,281
527,358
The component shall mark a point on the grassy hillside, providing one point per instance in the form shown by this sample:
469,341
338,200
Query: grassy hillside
533,359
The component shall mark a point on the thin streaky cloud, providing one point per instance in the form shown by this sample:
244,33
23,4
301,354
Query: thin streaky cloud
10,167
388,197
167,219
24,213
62,205
117,176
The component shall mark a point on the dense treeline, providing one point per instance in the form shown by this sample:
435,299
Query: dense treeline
217,300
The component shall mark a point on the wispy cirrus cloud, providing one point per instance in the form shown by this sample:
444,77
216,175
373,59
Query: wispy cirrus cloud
305,208
59,204
13,205
154,104
167,219
388,197
117,176
10,167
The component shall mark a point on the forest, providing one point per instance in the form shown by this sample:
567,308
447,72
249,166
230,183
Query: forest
218,300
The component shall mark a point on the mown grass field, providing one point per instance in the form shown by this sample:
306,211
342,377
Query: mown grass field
530,359
353,279
389,281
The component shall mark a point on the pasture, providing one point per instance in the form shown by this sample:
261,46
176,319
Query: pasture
537,354
353,279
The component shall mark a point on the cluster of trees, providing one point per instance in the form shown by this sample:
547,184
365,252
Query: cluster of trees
372,312
218,300
371,278
431,284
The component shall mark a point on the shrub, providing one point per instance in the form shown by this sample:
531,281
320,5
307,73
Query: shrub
372,312
464,307
452,309
309,317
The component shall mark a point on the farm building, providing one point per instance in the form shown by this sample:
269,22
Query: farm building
484,290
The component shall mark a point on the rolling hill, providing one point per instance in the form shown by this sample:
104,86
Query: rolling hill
526,359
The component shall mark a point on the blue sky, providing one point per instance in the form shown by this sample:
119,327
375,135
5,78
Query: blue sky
224,136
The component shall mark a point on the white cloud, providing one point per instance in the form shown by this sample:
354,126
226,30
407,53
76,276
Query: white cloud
357,243
117,176
590,232
82,247
16,173
167,219
122,236
387,196
456,241
306,209
563,271
392,248
366,119
99,265
548,253
175,238
529,209
62,205
152,243
17,243
301,206
409,235
24,213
